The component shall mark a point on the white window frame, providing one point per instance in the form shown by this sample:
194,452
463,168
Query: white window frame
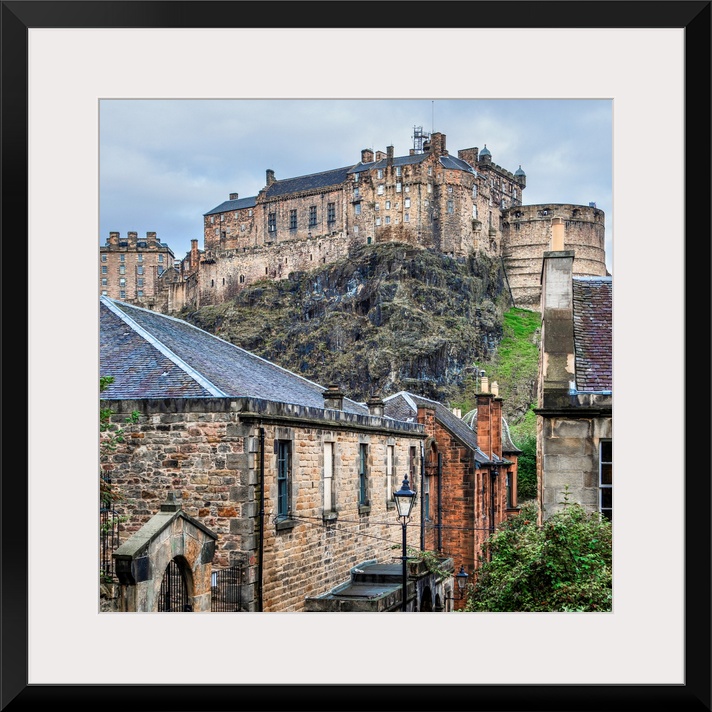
601,485
390,471
329,499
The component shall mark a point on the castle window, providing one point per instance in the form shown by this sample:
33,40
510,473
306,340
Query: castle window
160,258
160,271
139,269
398,187
406,217
329,499
122,282
104,282
378,221
449,189
222,235
104,269
292,219
380,189
406,203
139,293
212,219
104,292
474,212
139,282
399,170
242,279
356,193
331,212
357,209
356,177
122,258
217,231
242,227
272,222
249,213
122,269
355,229
122,294
514,193
450,206
388,204
222,217
368,240
377,206
103,258
379,173
430,170
407,189
388,219
140,257
474,191
430,187
516,227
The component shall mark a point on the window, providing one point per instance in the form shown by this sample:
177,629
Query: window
331,212
398,187
140,257
426,497
406,203
508,482
212,219
104,269
160,271
407,189
284,453
312,215
139,282
430,170
390,468
363,474
450,206
122,258
122,294
357,194
399,170
378,221
474,212
356,177
103,258
292,219
388,204
139,269
388,219
514,193
272,222
104,282
474,191
160,258
430,187
449,189
376,206
122,282
355,229
406,217
379,173
122,269
139,293
357,209
411,467
380,189
104,292
249,213
329,501
605,468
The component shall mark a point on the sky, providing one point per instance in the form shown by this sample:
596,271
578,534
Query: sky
164,163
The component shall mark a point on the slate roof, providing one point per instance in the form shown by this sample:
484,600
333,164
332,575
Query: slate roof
404,406
314,181
229,205
593,319
151,355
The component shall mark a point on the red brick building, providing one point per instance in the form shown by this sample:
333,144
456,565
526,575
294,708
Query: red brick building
468,485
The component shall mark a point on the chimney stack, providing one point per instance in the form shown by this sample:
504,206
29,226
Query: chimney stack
375,406
557,234
333,398
233,196
270,177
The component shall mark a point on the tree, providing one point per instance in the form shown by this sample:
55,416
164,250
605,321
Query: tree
526,470
563,565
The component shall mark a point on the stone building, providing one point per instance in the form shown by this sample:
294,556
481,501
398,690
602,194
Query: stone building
134,269
294,479
575,401
469,486
457,205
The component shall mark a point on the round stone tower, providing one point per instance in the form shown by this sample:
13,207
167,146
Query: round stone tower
527,234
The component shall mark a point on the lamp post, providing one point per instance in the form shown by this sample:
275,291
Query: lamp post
405,499
461,580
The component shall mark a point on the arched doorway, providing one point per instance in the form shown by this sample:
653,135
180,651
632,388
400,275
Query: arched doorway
426,601
174,596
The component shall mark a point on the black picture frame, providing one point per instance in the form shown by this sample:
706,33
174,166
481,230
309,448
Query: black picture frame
694,694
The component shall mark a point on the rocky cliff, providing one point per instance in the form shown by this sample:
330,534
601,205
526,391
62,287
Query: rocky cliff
389,317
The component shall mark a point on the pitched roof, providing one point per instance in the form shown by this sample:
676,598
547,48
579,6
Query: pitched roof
313,181
404,406
508,445
229,205
151,355
593,317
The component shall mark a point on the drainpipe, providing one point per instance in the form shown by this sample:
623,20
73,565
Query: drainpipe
422,498
440,502
262,520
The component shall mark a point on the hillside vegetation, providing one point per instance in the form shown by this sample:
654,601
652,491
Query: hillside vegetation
390,317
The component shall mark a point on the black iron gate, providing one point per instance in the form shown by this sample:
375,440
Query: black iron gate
226,590
173,597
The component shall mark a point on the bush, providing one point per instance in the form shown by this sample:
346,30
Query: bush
563,565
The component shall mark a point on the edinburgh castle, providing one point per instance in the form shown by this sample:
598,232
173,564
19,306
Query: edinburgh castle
456,205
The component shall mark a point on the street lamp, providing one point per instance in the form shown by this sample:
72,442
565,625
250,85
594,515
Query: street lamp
461,580
405,499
